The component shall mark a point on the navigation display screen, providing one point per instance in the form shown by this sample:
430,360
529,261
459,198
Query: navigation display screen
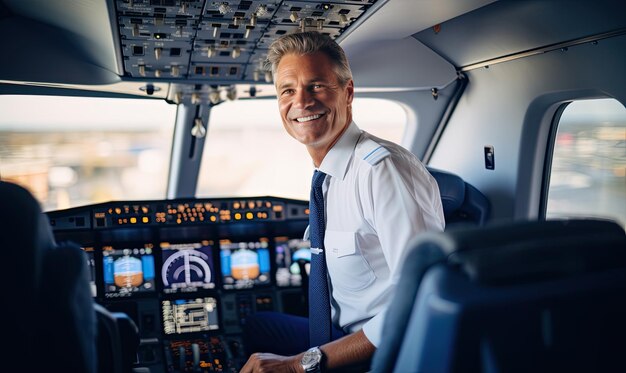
187,267
181,316
128,270
293,255
245,264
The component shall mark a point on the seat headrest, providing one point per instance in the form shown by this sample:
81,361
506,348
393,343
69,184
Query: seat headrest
25,237
537,250
47,287
451,188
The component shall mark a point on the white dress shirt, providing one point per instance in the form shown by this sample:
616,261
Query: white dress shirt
378,196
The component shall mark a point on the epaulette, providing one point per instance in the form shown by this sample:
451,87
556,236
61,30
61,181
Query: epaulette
372,152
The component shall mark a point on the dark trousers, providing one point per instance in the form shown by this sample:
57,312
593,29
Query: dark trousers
278,333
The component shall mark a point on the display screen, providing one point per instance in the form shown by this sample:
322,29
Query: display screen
187,267
292,256
181,316
245,264
128,270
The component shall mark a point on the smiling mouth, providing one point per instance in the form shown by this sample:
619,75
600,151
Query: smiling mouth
308,118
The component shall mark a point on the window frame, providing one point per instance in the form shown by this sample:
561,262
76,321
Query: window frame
549,157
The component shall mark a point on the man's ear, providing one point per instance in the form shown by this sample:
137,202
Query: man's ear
350,91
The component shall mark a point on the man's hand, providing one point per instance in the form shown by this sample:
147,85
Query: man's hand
266,362
350,353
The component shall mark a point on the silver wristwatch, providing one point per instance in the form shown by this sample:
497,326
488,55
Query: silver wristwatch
312,360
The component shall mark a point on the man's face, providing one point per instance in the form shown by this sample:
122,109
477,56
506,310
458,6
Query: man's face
314,107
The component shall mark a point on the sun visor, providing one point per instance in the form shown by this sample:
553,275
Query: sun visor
45,53
383,64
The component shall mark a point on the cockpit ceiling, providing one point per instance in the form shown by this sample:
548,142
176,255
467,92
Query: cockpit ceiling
218,42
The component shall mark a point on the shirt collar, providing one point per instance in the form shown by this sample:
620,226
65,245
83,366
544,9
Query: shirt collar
336,161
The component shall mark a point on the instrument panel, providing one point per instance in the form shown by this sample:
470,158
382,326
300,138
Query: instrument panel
189,272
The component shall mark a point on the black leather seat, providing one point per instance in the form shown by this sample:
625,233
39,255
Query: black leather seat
47,306
51,322
542,296
463,204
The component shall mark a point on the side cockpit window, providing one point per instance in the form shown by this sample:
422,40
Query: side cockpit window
588,173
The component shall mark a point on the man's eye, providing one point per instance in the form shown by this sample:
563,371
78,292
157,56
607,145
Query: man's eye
287,92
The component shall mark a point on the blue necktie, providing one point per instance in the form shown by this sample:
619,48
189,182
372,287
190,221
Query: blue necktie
319,299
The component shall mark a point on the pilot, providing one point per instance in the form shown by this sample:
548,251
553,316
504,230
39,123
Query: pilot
369,198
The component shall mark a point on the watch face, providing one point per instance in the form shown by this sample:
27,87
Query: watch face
311,358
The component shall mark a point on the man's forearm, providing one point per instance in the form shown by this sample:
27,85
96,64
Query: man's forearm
351,351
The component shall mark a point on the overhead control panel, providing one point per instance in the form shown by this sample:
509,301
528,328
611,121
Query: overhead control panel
218,41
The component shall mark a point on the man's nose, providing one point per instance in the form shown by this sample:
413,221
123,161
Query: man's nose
303,99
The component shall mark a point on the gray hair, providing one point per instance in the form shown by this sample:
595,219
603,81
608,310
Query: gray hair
310,42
